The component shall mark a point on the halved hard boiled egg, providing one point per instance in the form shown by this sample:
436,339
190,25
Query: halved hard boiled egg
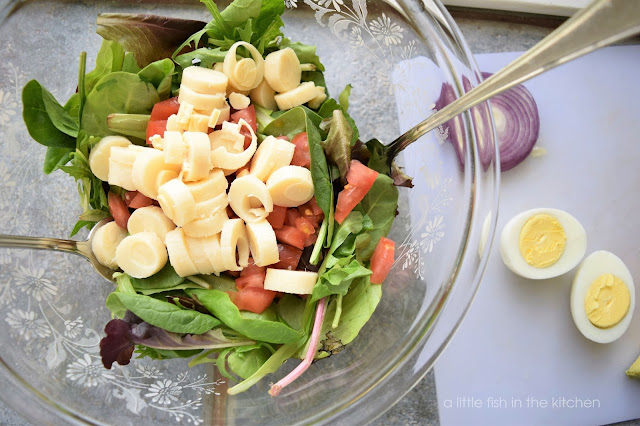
602,297
542,243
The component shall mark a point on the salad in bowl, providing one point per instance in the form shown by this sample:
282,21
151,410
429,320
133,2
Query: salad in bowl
248,217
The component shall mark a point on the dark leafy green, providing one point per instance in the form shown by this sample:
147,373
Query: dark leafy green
291,309
219,304
271,365
246,363
47,121
148,37
166,315
56,157
166,278
380,204
118,92
357,307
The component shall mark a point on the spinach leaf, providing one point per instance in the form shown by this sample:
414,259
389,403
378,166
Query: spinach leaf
206,55
357,307
159,74
56,157
118,92
246,363
271,365
165,315
219,304
337,146
298,120
47,121
317,77
159,291
110,58
291,309
378,157
166,278
94,215
306,53
148,37
339,275
72,106
380,204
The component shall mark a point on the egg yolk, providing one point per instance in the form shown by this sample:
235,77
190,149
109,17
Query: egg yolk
542,240
607,301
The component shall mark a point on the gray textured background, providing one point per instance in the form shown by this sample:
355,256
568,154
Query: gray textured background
486,32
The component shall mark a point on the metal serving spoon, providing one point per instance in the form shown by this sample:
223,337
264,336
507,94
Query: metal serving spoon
601,23
83,248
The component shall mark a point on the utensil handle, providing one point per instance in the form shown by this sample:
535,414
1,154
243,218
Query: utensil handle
38,243
601,23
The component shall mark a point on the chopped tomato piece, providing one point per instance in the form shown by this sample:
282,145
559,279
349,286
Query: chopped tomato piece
255,280
310,240
253,299
360,175
305,226
118,210
310,208
382,260
284,138
292,236
277,216
247,136
156,127
348,198
163,110
360,178
248,114
311,212
289,257
128,196
291,216
301,155
252,269
140,200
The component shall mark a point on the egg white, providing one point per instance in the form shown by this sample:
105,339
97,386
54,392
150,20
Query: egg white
574,251
596,264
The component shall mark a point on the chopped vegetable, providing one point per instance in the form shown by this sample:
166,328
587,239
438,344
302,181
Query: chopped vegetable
515,114
382,260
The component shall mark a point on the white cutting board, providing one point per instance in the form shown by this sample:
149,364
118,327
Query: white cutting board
518,341
546,7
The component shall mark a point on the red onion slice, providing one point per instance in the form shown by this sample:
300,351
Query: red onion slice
516,118
515,115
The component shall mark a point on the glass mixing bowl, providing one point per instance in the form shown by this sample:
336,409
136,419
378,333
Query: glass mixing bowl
399,57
